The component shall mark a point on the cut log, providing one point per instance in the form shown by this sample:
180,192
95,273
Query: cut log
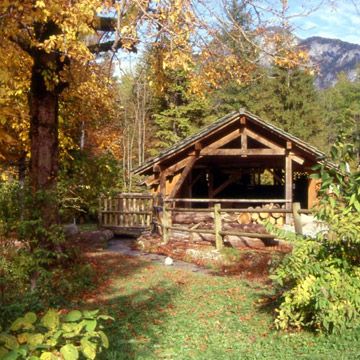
203,237
264,215
272,220
243,241
276,215
280,221
255,217
191,218
244,218
229,218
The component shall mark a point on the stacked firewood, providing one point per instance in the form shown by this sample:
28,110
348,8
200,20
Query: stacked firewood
252,219
257,217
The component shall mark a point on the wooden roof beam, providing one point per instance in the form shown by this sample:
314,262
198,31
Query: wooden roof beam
261,139
156,169
179,165
183,177
242,152
298,159
225,139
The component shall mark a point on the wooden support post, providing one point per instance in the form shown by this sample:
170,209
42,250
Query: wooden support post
217,227
297,218
183,177
166,224
163,183
288,185
244,139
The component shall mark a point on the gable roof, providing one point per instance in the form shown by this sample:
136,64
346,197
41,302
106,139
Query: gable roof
221,123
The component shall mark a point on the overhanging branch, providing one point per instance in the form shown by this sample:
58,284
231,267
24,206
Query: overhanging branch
106,24
108,46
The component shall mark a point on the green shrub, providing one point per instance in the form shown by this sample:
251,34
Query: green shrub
81,181
54,336
9,206
320,280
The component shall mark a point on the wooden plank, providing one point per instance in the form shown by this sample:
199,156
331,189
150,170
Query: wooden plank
162,183
244,142
234,210
171,182
297,159
261,139
288,185
166,225
117,208
152,181
156,168
240,152
218,227
197,231
179,165
198,146
297,218
137,212
224,140
174,209
183,177
256,211
227,200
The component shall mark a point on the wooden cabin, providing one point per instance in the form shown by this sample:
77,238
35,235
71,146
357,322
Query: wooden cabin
238,157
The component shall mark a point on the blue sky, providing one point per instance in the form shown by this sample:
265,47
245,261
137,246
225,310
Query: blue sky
338,21
341,21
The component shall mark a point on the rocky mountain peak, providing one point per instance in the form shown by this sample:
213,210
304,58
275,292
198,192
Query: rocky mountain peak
330,57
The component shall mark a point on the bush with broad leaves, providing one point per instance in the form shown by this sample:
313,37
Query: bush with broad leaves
77,334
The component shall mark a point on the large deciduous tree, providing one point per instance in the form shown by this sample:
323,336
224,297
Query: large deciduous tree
50,34
54,35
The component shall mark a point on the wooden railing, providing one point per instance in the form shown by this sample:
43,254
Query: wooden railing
217,210
137,211
127,210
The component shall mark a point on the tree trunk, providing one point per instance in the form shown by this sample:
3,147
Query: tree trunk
44,105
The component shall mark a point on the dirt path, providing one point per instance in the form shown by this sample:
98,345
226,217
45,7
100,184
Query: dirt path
124,246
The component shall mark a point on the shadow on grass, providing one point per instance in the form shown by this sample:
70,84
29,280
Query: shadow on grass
138,302
137,327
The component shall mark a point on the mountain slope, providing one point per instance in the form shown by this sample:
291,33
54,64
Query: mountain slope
332,56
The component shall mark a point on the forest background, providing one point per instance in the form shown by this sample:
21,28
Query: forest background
72,128
182,79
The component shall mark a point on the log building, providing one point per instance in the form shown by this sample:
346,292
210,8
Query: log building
238,156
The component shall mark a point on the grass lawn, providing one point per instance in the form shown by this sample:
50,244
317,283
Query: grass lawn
167,313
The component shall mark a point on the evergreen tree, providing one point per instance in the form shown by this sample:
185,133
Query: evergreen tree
342,108
284,97
176,111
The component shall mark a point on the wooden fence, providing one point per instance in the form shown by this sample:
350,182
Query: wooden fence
217,210
127,210
136,211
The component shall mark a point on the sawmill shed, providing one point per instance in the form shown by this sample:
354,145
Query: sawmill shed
239,157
